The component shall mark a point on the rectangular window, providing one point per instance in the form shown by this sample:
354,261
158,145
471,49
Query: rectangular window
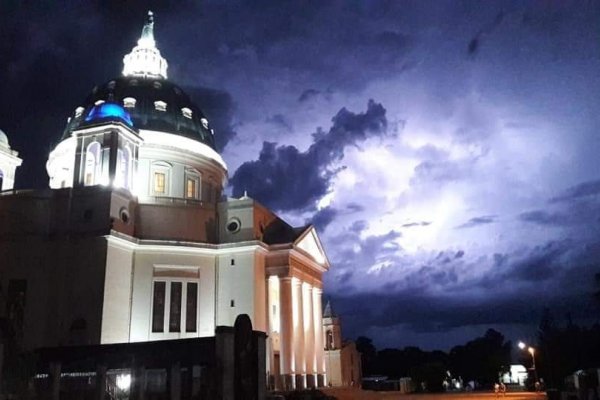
190,188
158,307
159,182
89,178
175,308
191,309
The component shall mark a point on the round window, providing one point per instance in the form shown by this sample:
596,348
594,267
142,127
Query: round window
124,215
234,225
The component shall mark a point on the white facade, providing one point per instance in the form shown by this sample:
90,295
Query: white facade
9,161
133,241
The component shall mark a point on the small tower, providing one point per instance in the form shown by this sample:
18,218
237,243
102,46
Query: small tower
9,161
331,329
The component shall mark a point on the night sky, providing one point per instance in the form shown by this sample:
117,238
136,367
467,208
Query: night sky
447,151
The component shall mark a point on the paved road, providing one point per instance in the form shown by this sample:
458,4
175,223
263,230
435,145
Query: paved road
356,394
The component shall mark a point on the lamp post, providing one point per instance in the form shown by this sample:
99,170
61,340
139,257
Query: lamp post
531,351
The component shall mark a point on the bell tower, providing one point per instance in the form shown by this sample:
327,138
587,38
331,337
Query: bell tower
331,329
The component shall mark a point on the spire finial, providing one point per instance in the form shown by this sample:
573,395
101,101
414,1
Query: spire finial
145,59
147,38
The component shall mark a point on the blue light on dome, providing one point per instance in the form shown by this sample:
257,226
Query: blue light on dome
109,110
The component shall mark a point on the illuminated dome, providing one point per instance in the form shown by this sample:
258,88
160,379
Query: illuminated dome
108,111
154,103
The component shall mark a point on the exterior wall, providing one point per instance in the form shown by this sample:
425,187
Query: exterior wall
116,310
185,220
343,366
242,283
148,261
53,305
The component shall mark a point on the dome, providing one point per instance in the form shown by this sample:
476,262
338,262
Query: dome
108,111
3,139
152,104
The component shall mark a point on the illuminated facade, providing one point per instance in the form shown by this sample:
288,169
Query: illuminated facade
9,161
133,241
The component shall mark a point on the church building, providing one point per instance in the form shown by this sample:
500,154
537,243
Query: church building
133,241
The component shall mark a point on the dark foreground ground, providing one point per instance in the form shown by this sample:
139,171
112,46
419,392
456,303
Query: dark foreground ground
352,393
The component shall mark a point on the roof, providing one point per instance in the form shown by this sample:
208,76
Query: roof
279,232
145,96
328,313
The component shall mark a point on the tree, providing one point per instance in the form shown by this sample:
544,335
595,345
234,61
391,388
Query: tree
368,353
481,359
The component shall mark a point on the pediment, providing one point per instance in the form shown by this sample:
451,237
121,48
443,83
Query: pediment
309,243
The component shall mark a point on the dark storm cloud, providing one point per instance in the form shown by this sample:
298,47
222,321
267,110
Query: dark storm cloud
578,213
308,94
359,226
540,278
475,43
577,205
279,121
590,188
323,217
476,221
542,217
416,224
442,171
285,178
219,108
354,207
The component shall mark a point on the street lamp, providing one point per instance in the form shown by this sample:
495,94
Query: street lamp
531,351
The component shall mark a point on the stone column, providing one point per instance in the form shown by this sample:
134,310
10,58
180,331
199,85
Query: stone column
299,349
270,329
286,335
309,336
319,347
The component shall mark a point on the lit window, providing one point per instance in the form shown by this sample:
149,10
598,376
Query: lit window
159,182
99,102
160,105
79,112
190,188
186,112
92,164
129,102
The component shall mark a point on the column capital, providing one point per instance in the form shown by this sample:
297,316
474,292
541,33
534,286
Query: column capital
296,281
317,290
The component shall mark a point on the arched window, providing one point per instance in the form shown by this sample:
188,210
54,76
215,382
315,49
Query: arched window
124,167
92,163
128,166
329,345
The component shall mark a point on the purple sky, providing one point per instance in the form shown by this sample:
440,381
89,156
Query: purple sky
448,151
